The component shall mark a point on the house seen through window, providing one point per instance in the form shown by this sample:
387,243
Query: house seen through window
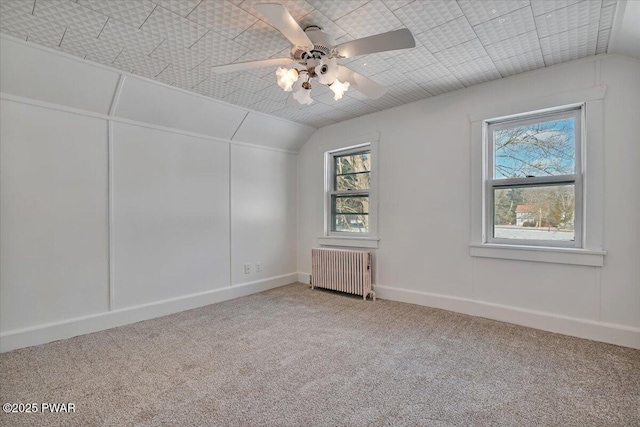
534,189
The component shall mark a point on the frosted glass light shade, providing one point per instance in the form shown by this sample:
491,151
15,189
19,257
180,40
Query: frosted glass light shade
339,88
286,78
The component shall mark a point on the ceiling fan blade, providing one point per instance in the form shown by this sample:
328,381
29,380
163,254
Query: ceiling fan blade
393,40
279,17
241,66
361,83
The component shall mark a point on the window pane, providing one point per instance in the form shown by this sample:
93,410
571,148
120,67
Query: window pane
360,162
350,213
535,213
353,181
546,148
351,223
350,204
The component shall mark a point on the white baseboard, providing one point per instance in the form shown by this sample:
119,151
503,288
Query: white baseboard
598,331
304,278
42,334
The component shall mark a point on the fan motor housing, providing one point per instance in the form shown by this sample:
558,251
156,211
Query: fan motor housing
322,43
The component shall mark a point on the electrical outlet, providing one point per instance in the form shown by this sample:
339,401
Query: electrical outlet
247,269
258,267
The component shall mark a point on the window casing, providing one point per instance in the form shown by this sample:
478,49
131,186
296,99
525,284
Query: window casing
533,192
348,204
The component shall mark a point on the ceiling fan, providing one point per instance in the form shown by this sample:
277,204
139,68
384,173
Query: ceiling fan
314,55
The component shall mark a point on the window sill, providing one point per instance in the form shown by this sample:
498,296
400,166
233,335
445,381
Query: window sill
352,242
539,254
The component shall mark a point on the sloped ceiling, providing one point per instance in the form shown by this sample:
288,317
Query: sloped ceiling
459,43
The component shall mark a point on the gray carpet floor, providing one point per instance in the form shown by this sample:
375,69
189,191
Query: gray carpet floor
296,357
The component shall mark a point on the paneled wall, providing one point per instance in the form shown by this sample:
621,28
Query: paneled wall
123,199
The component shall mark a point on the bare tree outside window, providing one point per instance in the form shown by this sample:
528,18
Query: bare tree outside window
534,172
350,192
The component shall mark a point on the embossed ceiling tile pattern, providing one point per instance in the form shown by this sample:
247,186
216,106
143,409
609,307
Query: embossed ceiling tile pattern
606,17
181,7
173,53
369,65
335,9
428,73
506,26
475,72
540,7
267,106
318,108
372,18
408,92
564,56
169,25
137,63
179,77
387,101
461,53
513,46
413,59
318,19
273,92
249,83
129,37
214,86
396,4
481,11
264,38
442,85
223,17
84,45
31,27
129,12
242,97
220,49
180,40
25,6
297,8
444,36
568,18
421,16
520,63
71,15
603,41
292,113
583,40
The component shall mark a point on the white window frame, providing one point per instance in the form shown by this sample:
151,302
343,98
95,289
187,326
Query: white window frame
336,238
330,191
559,113
591,252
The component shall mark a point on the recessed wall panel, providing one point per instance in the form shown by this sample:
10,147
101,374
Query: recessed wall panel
170,215
53,216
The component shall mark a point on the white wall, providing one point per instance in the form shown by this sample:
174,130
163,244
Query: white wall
53,216
424,208
110,219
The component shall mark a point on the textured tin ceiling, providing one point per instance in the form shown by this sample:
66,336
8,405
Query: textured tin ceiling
458,43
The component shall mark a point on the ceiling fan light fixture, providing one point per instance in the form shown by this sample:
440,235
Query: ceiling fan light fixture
339,88
287,77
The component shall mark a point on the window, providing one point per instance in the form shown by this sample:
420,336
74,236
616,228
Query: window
534,179
349,184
